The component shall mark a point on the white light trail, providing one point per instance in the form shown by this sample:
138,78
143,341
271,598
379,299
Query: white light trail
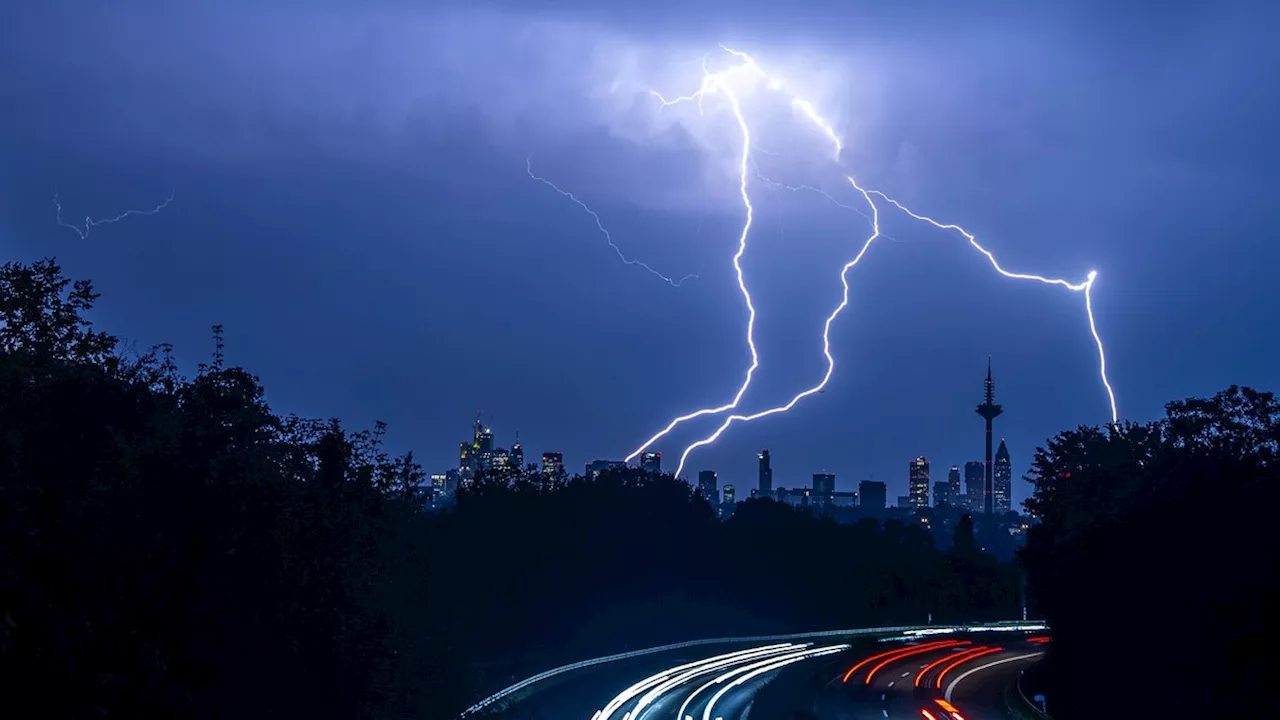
90,223
767,668
625,696
688,675
770,663
604,231
713,83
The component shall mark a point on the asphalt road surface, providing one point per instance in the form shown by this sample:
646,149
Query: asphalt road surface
939,677
959,678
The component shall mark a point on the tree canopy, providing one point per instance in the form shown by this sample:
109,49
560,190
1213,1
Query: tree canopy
172,546
1150,558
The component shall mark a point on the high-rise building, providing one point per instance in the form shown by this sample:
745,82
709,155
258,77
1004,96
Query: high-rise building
973,480
844,499
1003,485
437,483
552,469
709,487
955,495
989,411
872,495
905,502
941,493
918,482
824,485
517,455
730,495
478,454
766,474
651,462
595,467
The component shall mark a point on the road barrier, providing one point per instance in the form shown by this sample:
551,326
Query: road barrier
905,630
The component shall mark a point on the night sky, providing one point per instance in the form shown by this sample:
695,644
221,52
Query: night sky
351,203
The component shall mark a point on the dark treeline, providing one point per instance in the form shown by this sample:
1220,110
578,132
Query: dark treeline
1155,561
171,547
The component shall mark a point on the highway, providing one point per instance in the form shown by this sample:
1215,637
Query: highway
957,678
934,674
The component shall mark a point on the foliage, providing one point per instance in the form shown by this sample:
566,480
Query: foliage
1150,556
172,547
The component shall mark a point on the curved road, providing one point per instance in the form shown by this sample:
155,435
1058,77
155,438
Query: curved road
960,678
921,676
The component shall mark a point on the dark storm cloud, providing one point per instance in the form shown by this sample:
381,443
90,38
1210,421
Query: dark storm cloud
355,171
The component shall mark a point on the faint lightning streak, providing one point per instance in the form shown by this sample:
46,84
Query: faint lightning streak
1086,286
826,341
90,223
607,236
712,82
809,188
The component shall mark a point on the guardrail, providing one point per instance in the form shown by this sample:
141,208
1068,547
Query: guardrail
908,630
1018,704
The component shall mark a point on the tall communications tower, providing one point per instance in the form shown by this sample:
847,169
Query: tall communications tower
989,411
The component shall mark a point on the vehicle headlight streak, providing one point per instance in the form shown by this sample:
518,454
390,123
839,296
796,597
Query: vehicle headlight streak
704,665
90,223
715,83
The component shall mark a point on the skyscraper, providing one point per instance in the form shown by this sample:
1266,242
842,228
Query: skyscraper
595,467
989,411
954,494
1003,480
973,479
824,484
766,474
941,493
552,469
709,487
651,462
517,455
918,482
872,495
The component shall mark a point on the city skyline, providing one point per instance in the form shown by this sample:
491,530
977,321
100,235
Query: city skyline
921,489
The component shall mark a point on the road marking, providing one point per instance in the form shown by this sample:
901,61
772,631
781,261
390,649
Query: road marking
954,683
891,682
907,673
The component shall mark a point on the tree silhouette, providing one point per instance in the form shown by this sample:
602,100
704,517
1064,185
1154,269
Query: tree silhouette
1130,547
172,547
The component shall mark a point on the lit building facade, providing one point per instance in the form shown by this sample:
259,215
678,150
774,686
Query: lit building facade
824,485
941,493
955,492
517,455
651,462
595,467
709,486
974,478
766,474
1003,482
918,483
552,469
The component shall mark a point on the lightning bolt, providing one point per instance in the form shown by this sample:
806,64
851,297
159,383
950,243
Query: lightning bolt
90,223
604,231
713,83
